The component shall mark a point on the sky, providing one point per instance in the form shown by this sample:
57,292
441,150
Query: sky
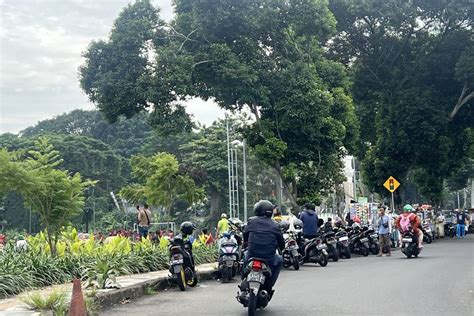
41,42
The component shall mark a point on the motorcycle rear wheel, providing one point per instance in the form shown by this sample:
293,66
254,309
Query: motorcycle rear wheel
334,254
347,253
181,278
252,307
229,274
323,260
364,251
429,240
296,264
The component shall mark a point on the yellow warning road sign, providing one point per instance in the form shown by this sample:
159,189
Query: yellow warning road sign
391,184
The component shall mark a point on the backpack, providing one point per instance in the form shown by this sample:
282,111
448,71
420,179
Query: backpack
405,223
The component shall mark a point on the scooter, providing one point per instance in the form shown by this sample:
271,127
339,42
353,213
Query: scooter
330,240
291,255
228,257
358,242
314,251
343,244
182,265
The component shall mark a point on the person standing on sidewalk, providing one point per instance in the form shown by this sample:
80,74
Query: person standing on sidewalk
461,224
384,232
144,216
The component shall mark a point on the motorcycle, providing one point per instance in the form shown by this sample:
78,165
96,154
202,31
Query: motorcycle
314,251
373,238
229,258
343,244
182,267
427,233
358,242
256,286
410,245
330,240
290,255
450,230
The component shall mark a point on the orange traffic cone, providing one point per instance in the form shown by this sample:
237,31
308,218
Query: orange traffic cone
78,305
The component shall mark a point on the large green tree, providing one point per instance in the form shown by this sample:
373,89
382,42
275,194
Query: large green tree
412,71
250,55
55,195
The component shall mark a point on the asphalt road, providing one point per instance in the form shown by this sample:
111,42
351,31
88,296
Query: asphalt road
439,282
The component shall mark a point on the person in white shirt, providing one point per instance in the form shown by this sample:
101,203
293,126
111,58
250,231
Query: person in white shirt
440,224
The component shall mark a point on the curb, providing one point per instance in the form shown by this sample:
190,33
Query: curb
108,298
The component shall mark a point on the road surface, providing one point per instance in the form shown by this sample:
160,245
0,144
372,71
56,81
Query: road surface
439,282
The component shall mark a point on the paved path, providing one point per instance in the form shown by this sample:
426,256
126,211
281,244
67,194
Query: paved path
440,282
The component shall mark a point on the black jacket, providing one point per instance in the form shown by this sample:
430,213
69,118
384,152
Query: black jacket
263,237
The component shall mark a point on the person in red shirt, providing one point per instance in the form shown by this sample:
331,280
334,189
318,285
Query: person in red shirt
409,221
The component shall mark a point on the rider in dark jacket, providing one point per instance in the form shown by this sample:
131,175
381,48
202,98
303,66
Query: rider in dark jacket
262,238
309,217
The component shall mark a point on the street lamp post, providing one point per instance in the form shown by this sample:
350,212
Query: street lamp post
244,165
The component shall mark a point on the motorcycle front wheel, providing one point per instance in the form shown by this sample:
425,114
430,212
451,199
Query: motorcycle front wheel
364,251
334,253
374,249
252,307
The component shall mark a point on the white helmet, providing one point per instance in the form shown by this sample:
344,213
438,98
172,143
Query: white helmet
223,215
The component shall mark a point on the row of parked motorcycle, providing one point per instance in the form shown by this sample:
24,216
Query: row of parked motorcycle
332,243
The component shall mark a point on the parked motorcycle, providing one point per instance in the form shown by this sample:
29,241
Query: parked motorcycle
410,245
329,238
427,233
229,258
373,239
343,244
291,255
256,286
358,242
182,265
450,230
314,251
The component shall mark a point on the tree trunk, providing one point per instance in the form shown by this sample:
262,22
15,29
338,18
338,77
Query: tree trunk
291,193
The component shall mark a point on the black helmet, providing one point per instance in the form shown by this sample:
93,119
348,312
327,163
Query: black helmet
263,208
187,228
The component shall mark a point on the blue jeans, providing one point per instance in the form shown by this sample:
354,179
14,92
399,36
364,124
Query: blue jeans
143,231
276,263
460,230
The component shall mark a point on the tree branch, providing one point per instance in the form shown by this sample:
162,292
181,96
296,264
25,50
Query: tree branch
461,101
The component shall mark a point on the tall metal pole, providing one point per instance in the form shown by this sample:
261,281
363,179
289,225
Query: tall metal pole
236,213
245,178
393,204
228,164
29,227
459,202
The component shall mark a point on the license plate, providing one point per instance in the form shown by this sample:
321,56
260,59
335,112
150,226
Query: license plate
374,235
178,261
407,240
364,240
256,277
331,242
343,238
322,246
294,252
227,258
292,247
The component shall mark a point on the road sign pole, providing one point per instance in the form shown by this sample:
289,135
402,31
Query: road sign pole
393,204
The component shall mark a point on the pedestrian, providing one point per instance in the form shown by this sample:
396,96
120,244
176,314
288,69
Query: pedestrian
277,217
222,225
440,225
384,232
309,217
461,224
143,216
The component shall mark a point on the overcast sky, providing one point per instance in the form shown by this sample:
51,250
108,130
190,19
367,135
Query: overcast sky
41,42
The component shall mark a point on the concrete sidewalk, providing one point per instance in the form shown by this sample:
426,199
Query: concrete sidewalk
132,286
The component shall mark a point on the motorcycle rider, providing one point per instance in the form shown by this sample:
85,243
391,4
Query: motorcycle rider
309,217
262,237
222,225
414,222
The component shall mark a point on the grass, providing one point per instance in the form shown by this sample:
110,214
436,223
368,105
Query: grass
55,301
149,290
